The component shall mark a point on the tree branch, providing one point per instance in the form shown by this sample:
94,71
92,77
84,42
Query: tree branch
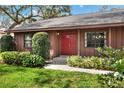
7,14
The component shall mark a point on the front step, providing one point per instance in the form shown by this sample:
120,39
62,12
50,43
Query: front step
60,60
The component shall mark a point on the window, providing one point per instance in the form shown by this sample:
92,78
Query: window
28,40
95,39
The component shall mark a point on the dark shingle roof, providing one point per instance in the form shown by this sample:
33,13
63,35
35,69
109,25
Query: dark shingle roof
78,20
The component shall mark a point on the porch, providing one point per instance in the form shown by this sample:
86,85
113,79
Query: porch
60,60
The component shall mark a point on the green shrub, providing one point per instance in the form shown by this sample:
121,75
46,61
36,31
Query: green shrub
89,62
7,43
111,81
29,60
116,57
111,53
22,59
93,62
41,44
119,66
73,59
9,57
97,63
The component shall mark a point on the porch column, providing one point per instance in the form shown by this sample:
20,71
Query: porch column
110,37
78,42
53,44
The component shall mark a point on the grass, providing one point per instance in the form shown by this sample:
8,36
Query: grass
22,77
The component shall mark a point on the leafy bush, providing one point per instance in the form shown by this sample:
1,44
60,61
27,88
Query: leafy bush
119,66
41,44
21,55
116,56
111,53
9,57
110,80
32,61
23,59
73,59
7,43
89,62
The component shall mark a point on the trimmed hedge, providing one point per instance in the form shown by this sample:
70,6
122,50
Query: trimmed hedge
89,62
23,59
41,44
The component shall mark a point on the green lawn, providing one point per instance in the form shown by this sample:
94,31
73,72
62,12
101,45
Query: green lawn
15,77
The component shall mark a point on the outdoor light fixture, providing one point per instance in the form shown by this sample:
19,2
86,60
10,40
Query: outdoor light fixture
57,33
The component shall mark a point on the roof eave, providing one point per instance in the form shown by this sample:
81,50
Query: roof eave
69,27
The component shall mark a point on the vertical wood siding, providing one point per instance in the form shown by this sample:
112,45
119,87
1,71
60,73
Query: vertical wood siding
19,40
117,37
53,44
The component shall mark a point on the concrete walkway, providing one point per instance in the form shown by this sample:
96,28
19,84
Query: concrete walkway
68,68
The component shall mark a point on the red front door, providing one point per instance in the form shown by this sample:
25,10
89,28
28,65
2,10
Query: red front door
68,43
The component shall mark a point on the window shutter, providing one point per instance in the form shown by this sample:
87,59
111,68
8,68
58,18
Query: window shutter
85,38
105,38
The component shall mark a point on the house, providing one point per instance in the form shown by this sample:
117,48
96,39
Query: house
76,34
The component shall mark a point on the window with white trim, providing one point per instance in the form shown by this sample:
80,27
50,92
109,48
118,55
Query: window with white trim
28,40
95,39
